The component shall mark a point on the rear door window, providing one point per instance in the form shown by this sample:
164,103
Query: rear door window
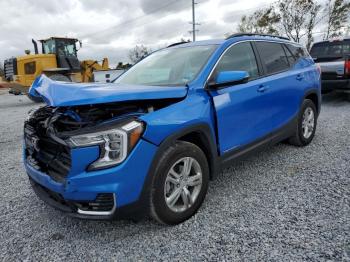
290,57
273,57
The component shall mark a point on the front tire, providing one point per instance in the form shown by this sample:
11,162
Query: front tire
180,183
306,127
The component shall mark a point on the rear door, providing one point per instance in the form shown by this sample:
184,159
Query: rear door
285,84
243,111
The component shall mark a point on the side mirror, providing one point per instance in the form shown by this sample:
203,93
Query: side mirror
227,78
80,43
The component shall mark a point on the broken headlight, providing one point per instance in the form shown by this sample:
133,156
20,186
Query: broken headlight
115,144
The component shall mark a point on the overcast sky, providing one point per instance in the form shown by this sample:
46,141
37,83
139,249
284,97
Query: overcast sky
110,28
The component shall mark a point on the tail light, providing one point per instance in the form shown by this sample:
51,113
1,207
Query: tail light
347,66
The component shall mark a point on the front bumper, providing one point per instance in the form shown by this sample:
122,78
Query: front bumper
341,84
125,182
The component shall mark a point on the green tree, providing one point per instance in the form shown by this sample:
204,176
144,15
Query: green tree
138,53
1,70
123,66
261,22
337,14
298,19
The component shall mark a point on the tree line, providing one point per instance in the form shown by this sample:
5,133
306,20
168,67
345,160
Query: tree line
297,19
2,73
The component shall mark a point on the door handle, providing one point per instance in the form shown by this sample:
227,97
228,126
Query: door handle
299,77
262,88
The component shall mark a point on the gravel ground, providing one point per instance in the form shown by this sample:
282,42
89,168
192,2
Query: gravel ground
284,204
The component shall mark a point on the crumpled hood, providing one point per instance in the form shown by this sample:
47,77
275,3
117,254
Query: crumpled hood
56,93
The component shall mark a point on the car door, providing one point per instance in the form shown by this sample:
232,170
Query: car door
286,83
243,111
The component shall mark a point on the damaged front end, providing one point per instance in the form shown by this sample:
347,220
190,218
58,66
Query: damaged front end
73,154
51,133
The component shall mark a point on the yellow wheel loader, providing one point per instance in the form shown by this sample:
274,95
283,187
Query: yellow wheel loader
58,60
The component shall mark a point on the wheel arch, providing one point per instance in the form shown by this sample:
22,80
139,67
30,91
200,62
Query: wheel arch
315,97
201,139
200,135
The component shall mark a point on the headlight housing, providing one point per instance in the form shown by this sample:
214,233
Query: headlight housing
115,143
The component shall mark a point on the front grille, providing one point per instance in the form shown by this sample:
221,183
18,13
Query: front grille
45,154
10,68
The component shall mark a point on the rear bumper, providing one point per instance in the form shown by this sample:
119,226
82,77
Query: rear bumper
341,84
125,181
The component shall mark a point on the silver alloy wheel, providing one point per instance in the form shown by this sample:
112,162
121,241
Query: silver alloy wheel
308,122
183,184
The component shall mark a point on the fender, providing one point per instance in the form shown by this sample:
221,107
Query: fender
317,93
207,139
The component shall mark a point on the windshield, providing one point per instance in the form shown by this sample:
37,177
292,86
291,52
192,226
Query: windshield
63,47
330,49
175,66
49,47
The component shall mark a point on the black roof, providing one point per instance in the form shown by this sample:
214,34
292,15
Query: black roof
254,34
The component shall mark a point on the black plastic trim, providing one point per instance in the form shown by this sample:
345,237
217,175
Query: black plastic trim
255,34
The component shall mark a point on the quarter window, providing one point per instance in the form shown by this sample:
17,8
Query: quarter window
239,57
297,51
273,57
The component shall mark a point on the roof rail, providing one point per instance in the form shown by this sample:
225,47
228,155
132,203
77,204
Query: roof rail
254,34
178,43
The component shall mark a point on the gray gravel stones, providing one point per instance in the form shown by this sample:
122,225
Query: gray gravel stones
285,203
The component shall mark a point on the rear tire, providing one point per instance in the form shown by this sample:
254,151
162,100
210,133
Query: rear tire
306,127
180,183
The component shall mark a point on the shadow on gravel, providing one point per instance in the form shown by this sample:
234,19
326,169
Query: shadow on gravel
336,98
233,176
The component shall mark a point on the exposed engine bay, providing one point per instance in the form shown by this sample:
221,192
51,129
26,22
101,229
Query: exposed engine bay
63,120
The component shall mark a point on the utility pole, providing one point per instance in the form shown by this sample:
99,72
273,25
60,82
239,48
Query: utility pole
193,21
194,30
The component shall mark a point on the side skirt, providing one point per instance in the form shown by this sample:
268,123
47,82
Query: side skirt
273,138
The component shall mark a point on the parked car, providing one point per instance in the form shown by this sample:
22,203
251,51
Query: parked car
333,56
150,142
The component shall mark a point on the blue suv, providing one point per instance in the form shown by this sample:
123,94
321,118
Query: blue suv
150,142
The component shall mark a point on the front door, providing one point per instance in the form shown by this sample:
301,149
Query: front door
243,111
